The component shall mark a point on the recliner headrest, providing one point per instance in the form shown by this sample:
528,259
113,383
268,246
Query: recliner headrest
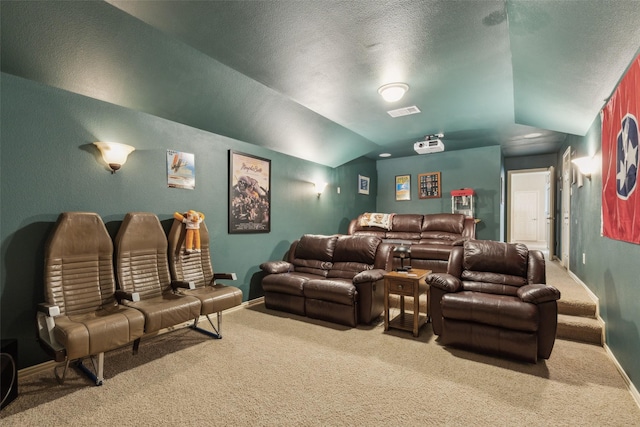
317,247
496,257
356,249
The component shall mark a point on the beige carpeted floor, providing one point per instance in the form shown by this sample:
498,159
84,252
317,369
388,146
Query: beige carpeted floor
275,369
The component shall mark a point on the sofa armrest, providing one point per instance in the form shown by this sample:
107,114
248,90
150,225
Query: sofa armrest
369,276
276,267
444,281
129,296
538,293
460,241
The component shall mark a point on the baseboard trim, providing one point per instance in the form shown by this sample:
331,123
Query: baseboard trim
593,296
36,369
50,364
632,388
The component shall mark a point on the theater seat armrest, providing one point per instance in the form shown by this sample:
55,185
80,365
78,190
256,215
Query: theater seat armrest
49,309
369,276
129,296
225,276
276,267
182,284
45,318
444,281
538,293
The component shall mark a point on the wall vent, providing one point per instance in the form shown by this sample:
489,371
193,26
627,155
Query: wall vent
406,111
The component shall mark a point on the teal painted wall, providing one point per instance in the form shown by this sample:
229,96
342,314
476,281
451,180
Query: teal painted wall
49,165
611,269
477,168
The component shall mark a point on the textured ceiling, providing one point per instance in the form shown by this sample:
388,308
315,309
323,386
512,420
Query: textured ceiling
301,77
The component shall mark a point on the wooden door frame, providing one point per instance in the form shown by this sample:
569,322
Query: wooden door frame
565,189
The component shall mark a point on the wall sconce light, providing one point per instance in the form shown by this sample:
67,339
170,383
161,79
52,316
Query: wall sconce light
586,165
393,92
319,187
114,154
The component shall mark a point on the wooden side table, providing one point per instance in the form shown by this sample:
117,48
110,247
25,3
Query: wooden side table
412,284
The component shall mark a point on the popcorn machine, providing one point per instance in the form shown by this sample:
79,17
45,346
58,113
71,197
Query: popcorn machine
462,202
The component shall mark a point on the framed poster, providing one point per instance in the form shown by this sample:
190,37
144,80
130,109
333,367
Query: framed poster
249,193
181,170
429,185
363,184
403,187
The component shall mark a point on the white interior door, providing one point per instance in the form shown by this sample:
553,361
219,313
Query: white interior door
566,205
525,216
550,211
528,209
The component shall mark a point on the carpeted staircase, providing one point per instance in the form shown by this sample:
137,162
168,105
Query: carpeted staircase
577,311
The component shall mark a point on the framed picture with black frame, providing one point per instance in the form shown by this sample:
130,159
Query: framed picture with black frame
429,185
249,193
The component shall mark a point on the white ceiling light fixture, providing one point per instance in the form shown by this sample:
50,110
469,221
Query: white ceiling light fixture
393,92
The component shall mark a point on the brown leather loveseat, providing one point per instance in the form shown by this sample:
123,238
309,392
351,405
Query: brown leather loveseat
494,299
431,237
333,278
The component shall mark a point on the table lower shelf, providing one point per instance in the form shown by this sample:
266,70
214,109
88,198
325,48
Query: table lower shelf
405,321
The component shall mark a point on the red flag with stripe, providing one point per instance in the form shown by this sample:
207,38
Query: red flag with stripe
620,135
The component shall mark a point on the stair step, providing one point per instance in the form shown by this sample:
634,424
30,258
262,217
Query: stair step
578,328
577,308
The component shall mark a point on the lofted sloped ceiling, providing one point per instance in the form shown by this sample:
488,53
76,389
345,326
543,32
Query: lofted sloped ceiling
301,77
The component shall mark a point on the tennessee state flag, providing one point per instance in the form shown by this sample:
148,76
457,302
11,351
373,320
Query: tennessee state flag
620,192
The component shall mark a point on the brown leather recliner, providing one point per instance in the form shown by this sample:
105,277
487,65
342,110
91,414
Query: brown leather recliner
196,268
494,299
81,317
144,281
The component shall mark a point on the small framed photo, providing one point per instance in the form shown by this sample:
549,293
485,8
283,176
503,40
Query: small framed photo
363,184
403,187
181,170
429,185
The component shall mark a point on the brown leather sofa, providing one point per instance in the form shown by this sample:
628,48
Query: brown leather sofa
494,299
333,278
431,237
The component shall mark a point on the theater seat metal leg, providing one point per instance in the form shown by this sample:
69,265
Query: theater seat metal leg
136,345
97,375
64,372
217,331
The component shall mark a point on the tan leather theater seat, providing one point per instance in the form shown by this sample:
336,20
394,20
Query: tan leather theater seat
196,269
142,269
79,285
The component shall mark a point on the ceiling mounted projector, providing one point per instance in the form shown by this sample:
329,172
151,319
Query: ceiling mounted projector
431,144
